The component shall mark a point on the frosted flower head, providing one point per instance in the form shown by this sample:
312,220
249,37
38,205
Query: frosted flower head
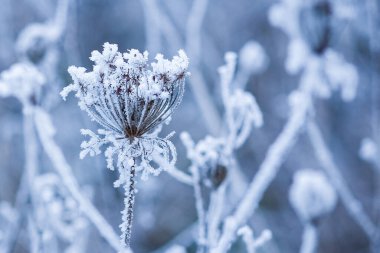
126,96
22,81
208,156
311,195
252,57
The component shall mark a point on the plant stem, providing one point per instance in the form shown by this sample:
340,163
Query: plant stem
309,239
129,202
354,207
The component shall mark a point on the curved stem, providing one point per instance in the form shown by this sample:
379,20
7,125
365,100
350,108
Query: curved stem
354,207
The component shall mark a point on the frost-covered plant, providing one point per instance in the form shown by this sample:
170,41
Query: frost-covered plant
212,157
308,25
131,101
23,81
312,196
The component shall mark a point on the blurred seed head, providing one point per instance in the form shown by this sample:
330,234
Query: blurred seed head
311,195
252,57
315,21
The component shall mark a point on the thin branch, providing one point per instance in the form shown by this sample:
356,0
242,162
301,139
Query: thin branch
265,175
200,209
173,171
325,157
31,170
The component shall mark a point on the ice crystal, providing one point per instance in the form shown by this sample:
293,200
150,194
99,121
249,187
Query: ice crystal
311,195
131,101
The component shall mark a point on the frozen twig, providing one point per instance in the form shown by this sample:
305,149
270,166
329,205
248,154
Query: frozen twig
173,171
199,204
267,171
215,214
31,168
325,157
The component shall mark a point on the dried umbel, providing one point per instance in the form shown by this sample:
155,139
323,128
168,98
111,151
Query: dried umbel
123,95
130,100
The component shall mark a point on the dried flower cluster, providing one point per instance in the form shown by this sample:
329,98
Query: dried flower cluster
130,101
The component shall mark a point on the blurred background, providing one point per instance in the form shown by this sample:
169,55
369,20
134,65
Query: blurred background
165,211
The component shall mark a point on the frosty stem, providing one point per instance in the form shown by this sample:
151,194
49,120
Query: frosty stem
129,201
309,239
325,157
63,169
215,214
31,169
200,209
266,173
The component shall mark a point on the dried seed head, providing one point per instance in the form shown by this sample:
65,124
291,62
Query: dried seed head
124,94
217,174
315,22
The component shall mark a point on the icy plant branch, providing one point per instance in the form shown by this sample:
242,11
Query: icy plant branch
212,158
130,100
312,197
353,206
23,81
